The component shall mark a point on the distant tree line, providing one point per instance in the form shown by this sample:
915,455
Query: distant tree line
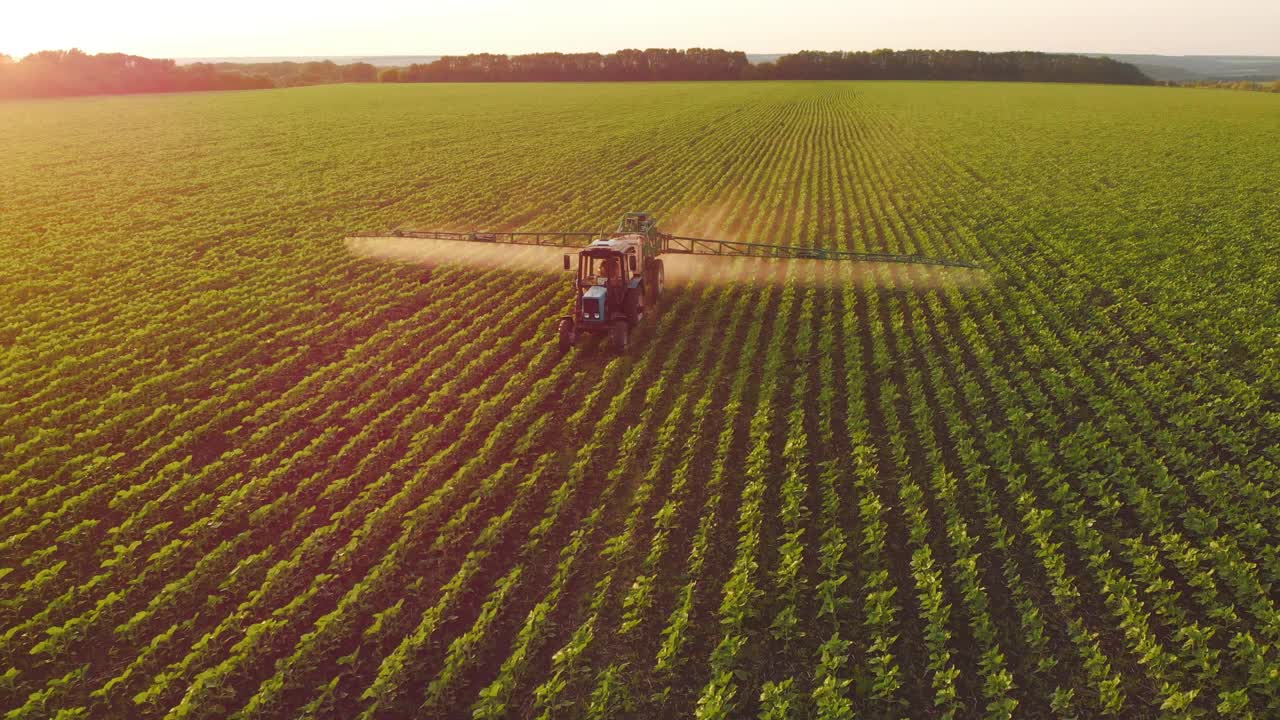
72,72
706,64
651,64
56,73
948,65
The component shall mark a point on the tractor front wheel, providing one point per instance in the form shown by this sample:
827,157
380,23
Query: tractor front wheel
567,335
618,336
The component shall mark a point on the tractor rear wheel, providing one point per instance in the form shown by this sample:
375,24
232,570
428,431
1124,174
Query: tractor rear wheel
618,336
632,306
566,335
653,281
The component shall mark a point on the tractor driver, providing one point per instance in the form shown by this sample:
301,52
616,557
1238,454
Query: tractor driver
612,271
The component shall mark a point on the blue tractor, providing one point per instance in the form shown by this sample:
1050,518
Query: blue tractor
619,277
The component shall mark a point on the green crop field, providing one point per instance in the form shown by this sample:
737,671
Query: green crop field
248,472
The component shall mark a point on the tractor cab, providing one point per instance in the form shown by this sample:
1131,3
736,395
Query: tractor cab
610,291
604,267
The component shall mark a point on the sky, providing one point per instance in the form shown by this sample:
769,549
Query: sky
262,28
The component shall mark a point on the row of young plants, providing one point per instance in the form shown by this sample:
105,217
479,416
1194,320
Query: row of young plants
150,530
616,408
740,595
233,502
173,549
228,548
578,674
1081,481
440,479
614,686
669,658
474,633
136,519
228,480
1139,499
608,681
1176,700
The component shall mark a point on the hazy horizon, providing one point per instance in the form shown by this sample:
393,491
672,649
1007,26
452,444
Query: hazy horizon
240,28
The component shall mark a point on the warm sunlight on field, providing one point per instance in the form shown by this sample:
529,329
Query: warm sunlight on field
246,471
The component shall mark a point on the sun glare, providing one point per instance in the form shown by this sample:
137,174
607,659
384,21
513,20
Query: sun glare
239,28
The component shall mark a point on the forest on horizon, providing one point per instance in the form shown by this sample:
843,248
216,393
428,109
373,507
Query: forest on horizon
56,73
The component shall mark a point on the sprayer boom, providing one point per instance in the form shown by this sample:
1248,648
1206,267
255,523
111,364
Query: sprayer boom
620,277
655,243
678,245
